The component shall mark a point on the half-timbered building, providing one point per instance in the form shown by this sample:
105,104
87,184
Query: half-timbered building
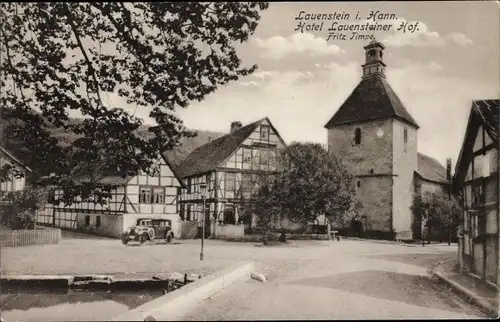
476,181
132,198
12,182
229,167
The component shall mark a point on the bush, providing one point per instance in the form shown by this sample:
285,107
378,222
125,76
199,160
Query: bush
18,208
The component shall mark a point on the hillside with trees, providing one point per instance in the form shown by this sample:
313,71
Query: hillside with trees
66,138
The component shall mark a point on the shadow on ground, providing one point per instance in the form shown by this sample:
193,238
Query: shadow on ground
417,259
68,234
410,289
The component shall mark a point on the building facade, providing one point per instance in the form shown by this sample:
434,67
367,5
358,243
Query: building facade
378,140
132,198
229,167
12,182
476,181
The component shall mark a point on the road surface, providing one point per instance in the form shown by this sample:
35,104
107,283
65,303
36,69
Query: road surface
346,280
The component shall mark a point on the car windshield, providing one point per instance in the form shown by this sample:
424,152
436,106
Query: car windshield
145,223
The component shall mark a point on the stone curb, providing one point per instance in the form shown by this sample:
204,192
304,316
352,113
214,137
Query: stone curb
90,282
467,294
48,281
175,305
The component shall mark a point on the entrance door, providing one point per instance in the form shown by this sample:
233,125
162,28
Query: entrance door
229,216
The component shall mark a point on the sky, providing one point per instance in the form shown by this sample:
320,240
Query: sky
303,78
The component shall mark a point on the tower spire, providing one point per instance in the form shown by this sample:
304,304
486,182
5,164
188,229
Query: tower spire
374,64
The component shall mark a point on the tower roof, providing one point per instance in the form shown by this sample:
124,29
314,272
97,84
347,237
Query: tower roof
374,43
372,99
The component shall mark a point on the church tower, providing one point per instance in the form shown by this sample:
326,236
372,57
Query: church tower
377,139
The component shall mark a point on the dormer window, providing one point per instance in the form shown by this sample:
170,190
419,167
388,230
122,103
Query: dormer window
357,136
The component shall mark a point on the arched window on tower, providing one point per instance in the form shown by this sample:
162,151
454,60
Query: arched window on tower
405,137
357,136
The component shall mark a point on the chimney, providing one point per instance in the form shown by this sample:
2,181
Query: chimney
235,126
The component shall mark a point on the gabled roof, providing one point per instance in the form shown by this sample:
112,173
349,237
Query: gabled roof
211,155
487,114
108,178
167,160
13,158
372,99
430,169
488,111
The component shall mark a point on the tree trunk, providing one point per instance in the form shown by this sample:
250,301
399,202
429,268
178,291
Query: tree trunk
282,236
329,230
265,240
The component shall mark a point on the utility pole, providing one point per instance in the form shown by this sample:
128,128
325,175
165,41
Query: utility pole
450,215
203,188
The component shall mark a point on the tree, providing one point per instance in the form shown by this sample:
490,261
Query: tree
316,183
261,202
438,212
309,182
60,59
18,208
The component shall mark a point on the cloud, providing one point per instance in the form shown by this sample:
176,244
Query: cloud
250,83
422,36
263,75
300,43
299,103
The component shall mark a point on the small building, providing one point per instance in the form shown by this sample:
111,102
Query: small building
229,167
476,182
430,176
132,198
13,182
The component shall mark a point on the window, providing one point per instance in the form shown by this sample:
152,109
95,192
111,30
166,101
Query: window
189,185
145,195
188,215
87,220
358,183
264,157
52,196
181,212
98,221
405,137
246,184
158,195
230,184
357,136
247,155
371,53
478,196
264,132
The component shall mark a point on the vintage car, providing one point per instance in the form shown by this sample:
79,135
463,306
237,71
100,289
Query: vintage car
149,230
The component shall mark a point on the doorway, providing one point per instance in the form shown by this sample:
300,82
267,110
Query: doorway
357,228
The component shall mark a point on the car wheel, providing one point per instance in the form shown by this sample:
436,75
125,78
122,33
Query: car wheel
124,240
169,238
